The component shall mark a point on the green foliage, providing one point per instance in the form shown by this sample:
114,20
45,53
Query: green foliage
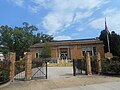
115,44
115,58
80,64
44,38
46,51
114,40
105,65
20,66
103,37
111,66
4,71
19,39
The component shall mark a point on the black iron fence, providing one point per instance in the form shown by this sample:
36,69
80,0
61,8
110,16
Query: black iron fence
79,66
93,65
4,71
39,68
20,70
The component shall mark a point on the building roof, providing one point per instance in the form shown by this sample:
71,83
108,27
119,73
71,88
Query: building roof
71,42
75,40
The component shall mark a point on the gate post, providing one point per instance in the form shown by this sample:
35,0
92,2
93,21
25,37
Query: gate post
98,64
88,64
46,69
11,57
28,66
74,69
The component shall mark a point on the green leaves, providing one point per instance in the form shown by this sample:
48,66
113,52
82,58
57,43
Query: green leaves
19,39
46,51
40,37
114,40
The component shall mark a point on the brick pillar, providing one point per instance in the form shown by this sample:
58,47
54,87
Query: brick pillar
11,57
98,63
28,66
88,64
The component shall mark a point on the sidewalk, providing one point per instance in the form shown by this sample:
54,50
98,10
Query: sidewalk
72,83
103,86
61,78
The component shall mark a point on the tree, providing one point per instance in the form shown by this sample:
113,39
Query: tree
19,39
115,44
114,40
6,41
103,37
46,51
43,38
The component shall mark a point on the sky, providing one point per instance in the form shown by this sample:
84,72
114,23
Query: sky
63,19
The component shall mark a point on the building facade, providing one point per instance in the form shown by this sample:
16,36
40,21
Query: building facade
70,49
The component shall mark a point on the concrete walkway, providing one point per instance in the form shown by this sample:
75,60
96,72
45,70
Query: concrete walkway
61,78
103,86
60,72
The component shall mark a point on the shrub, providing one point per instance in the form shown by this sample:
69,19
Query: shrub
105,65
20,66
115,58
4,71
80,64
111,66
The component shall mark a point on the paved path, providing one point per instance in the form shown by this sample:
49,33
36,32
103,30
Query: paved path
61,78
59,72
103,86
53,72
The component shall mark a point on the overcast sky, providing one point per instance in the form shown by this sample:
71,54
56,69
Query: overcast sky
64,19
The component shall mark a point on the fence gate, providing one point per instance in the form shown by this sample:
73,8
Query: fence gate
93,66
39,68
19,70
79,66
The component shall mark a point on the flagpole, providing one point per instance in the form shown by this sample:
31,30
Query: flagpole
108,43
106,29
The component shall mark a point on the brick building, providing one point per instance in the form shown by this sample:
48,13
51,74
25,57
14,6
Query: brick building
70,49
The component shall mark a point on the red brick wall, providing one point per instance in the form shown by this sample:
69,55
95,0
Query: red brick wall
54,52
100,49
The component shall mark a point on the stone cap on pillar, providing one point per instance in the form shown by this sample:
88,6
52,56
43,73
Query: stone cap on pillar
108,55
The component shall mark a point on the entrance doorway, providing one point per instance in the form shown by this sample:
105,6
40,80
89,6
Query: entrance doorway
64,55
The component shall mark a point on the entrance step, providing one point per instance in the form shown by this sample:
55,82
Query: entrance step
62,63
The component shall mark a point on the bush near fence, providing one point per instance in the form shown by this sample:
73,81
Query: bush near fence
4,71
111,66
19,66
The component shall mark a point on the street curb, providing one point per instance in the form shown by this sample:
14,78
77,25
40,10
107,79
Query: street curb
6,84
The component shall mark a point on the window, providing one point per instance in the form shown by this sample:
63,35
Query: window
91,50
38,53
94,50
83,53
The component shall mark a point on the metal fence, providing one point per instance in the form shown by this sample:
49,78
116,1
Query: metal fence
93,66
79,66
39,68
20,70
4,71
